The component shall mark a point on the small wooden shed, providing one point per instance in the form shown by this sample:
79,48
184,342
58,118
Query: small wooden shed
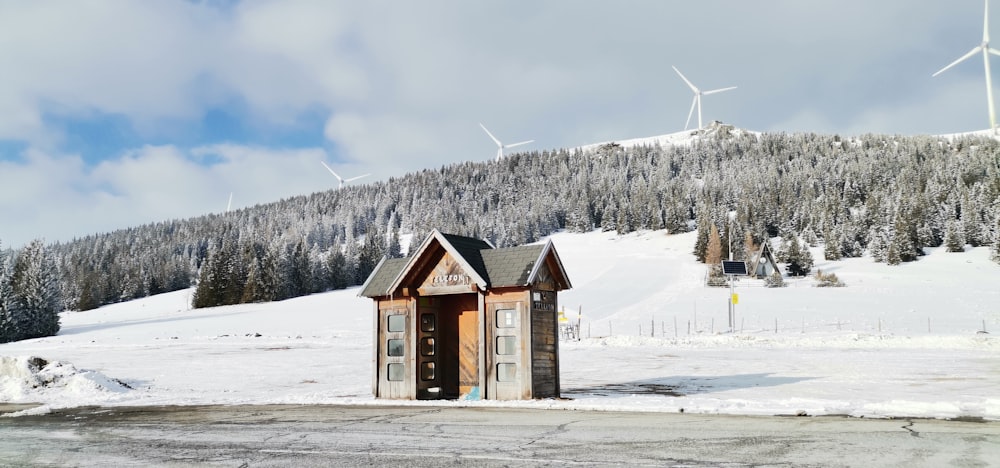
763,264
459,318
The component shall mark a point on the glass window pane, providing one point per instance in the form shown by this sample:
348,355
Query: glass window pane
506,372
506,318
395,372
397,323
506,345
395,348
427,371
427,322
427,347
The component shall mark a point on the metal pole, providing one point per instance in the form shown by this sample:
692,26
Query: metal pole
732,315
732,312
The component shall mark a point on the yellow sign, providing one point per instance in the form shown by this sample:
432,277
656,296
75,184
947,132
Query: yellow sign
562,317
736,298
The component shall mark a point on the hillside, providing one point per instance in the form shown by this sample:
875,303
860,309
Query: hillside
896,341
887,197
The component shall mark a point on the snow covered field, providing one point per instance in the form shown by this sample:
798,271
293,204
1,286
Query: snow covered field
904,341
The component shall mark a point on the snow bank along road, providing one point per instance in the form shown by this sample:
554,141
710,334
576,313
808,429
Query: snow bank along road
441,436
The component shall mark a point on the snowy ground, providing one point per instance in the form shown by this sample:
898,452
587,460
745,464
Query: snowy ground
902,341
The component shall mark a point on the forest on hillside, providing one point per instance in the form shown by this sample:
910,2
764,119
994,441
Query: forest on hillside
884,196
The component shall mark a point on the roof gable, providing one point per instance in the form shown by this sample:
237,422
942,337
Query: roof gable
465,251
449,264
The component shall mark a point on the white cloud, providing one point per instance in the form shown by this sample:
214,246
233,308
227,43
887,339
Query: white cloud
402,85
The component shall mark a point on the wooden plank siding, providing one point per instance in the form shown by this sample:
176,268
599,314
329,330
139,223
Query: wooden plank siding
545,350
395,389
499,388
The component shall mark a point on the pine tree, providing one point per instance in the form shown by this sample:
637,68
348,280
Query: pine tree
878,244
35,290
394,249
892,255
904,240
713,254
371,253
831,244
995,250
261,278
7,303
954,237
800,260
336,263
701,243
208,292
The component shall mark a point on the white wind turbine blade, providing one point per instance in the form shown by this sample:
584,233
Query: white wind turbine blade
706,93
693,87
518,143
230,204
694,102
491,136
972,52
341,179
986,24
356,178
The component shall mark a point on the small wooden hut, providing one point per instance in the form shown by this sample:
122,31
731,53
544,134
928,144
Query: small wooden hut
459,318
763,264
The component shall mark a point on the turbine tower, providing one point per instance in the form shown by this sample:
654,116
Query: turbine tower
985,48
341,179
501,146
697,98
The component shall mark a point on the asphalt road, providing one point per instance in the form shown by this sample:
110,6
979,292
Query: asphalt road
418,436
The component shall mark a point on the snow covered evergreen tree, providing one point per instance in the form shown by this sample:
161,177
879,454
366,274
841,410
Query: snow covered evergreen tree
995,249
7,303
832,242
371,253
34,288
954,237
799,259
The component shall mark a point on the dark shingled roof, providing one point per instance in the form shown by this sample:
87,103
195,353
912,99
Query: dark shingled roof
383,276
471,249
498,268
510,266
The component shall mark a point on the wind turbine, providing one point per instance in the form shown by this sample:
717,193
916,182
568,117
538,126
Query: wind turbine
985,48
341,179
501,146
697,97
230,204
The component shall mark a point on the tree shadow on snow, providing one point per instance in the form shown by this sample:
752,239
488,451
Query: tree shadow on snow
681,385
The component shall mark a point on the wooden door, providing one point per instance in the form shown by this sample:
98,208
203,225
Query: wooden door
468,351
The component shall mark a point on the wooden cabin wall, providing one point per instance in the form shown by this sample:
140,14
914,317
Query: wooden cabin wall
544,334
513,340
395,367
544,345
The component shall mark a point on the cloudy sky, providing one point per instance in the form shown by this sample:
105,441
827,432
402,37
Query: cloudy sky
121,113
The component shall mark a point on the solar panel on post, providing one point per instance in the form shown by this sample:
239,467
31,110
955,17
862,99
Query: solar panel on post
730,267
